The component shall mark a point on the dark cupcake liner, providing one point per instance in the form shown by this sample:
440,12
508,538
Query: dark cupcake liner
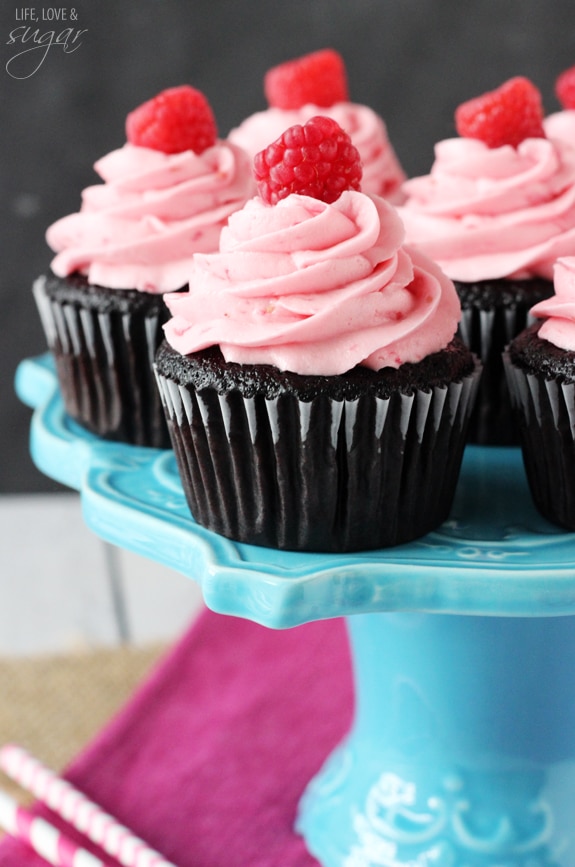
322,475
545,414
493,313
104,361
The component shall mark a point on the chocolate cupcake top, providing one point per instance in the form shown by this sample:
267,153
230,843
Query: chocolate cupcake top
547,348
534,355
312,275
499,201
208,369
315,288
166,194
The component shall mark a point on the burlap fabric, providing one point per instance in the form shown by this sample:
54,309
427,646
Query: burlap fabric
53,705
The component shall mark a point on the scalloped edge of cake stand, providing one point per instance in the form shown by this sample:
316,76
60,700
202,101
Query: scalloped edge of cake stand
494,556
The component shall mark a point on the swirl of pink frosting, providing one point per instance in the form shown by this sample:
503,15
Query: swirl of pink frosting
486,213
561,125
140,228
315,288
382,172
559,310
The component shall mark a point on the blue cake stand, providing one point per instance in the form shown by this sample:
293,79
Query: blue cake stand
462,748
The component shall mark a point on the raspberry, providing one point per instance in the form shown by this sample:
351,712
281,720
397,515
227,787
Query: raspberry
505,116
565,88
319,78
176,120
316,159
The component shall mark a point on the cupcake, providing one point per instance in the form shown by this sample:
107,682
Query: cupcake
495,212
316,394
540,368
165,194
316,84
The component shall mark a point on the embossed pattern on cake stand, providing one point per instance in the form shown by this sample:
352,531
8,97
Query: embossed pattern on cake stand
462,749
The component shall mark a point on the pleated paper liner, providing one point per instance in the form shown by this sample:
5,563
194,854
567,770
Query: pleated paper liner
493,313
103,342
545,413
319,475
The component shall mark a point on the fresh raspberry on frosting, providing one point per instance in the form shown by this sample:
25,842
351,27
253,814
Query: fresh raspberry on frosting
316,159
176,120
505,116
319,78
565,88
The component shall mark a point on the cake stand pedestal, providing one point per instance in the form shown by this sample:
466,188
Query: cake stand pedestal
462,748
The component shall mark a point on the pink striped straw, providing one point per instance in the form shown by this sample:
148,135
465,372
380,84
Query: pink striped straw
78,810
43,837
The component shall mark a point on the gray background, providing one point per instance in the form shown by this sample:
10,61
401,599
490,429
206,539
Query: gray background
413,61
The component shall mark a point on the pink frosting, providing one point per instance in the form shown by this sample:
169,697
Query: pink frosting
139,229
559,310
382,172
484,213
561,125
315,288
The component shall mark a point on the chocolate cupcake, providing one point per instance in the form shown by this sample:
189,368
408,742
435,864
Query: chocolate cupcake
495,212
166,194
103,341
315,395
492,313
356,461
540,369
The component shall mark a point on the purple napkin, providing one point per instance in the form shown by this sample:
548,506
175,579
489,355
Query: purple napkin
208,759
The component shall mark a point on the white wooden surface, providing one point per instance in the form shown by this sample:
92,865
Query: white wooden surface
62,588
